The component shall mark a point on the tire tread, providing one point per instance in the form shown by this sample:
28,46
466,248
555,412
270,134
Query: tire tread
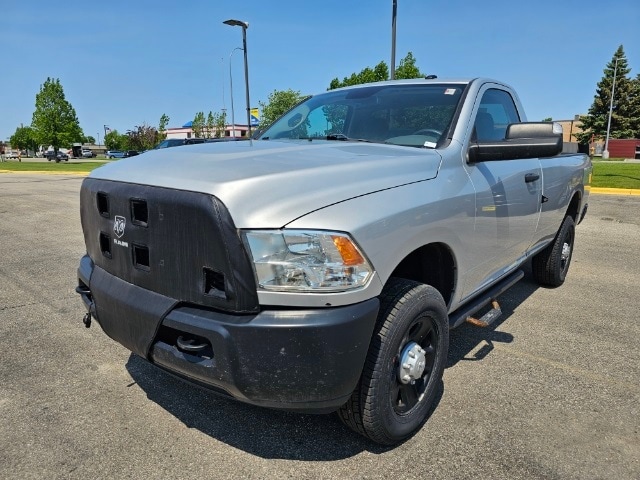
359,411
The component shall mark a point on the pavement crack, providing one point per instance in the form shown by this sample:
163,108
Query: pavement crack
13,307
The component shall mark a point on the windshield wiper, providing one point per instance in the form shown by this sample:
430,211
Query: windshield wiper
337,136
344,138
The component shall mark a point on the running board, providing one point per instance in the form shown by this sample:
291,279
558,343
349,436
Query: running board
488,318
465,312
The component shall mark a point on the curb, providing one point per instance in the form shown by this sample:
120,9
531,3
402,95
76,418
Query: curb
44,172
614,191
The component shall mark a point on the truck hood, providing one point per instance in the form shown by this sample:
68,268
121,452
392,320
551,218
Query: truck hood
267,183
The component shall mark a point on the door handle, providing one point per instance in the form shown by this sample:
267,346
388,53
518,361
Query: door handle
531,177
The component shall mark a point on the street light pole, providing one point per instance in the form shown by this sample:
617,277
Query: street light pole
244,25
393,39
605,153
233,116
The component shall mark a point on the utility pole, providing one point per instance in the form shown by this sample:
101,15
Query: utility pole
393,39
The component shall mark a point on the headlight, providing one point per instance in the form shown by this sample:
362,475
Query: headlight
306,260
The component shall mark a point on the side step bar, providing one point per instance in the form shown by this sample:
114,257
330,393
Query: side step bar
465,313
488,318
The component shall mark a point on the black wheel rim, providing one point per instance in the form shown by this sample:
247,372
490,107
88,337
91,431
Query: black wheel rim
406,397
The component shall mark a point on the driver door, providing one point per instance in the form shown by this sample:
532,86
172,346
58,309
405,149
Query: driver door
508,195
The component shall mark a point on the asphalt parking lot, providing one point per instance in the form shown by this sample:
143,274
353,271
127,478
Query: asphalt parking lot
550,392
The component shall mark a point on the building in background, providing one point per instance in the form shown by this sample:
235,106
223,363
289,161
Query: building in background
624,148
186,131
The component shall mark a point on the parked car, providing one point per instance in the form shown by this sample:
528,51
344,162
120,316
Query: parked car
171,142
86,153
12,154
115,154
131,153
52,155
176,142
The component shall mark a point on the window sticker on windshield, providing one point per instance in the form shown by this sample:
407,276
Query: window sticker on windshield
450,91
429,144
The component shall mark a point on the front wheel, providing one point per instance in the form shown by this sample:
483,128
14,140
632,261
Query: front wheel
404,365
551,265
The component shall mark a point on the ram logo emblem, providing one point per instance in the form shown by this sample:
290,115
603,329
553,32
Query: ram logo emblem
118,225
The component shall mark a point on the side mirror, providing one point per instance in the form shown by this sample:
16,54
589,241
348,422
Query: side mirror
522,140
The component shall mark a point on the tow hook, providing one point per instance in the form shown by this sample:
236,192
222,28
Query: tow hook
84,290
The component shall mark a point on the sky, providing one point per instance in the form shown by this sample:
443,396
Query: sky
124,63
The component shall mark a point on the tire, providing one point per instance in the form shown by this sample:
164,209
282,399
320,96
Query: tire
551,265
391,402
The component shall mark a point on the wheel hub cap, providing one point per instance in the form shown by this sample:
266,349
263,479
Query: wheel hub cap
412,363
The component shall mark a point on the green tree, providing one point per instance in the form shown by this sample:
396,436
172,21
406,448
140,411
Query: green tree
210,126
220,122
89,139
623,116
162,126
115,141
635,106
54,120
24,139
408,68
215,125
278,103
379,73
198,125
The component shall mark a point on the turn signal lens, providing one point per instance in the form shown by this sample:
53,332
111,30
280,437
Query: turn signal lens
348,251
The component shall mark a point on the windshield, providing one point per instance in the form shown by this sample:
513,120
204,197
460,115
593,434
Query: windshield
416,115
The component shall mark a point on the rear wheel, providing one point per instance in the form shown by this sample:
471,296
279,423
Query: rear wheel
551,265
404,364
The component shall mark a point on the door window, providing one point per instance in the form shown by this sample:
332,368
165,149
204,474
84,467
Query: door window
497,110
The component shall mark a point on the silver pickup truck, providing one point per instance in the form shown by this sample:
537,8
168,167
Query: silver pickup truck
320,266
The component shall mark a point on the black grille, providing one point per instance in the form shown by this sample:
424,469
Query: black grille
141,257
180,244
105,244
102,202
213,282
139,212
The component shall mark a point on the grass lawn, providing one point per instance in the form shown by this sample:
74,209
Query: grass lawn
62,167
616,175
606,174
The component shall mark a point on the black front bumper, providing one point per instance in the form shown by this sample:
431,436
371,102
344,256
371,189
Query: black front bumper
295,359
